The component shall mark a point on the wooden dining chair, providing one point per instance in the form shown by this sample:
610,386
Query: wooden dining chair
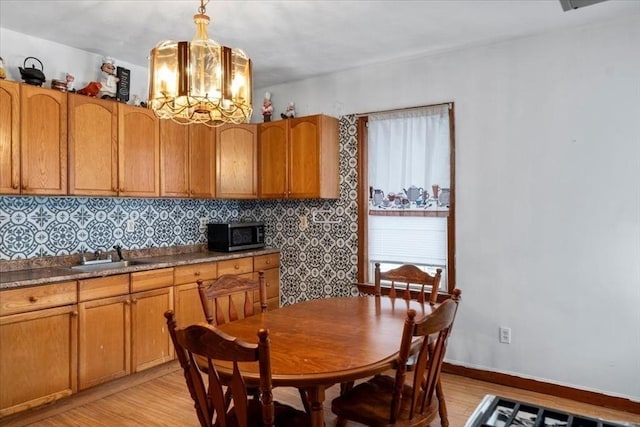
233,408
405,276
230,297
389,401
221,298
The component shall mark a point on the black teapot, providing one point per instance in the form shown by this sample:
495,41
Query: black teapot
32,76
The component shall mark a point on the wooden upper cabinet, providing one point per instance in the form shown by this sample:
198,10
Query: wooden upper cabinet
187,157
272,152
138,152
43,140
9,137
299,158
174,159
314,157
237,162
202,154
93,146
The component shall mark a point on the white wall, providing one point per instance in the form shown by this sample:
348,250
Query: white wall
59,59
548,194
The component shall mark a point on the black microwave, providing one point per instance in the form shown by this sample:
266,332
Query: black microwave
235,236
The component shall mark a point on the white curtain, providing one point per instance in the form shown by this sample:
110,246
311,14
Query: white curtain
409,147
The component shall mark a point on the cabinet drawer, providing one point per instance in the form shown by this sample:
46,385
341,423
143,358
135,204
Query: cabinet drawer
103,287
152,279
191,273
37,297
265,262
235,266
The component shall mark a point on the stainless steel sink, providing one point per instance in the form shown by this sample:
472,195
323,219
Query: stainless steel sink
109,265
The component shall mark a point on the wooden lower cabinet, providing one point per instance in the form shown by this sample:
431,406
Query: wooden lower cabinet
104,350
38,357
188,307
150,341
270,265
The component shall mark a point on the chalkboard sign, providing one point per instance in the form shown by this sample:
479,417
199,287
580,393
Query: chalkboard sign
123,84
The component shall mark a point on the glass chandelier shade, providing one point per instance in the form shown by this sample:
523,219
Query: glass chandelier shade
200,81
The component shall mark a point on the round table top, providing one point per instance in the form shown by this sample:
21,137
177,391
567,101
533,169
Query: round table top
328,340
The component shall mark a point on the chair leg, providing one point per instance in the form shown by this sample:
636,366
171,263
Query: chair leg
305,400
345,387
442,405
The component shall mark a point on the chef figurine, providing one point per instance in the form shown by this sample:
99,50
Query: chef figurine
70,79
290,112
267,108
108,79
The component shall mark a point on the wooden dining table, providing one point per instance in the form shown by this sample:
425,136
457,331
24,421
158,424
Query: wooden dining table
318,343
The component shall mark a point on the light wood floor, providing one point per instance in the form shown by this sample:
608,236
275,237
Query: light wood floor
159,397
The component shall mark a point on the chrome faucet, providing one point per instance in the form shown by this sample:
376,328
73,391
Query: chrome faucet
118,249
96,260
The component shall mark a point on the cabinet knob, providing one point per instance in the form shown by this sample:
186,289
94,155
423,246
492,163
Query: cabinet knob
197,274
237,267
15,186
134,300
74,314
33,299
268,261
127,302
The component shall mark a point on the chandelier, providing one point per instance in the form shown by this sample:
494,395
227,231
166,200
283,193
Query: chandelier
200,81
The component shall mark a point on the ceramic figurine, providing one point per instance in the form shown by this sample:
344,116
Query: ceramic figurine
3,73
267,107
290,112
70,79
108,79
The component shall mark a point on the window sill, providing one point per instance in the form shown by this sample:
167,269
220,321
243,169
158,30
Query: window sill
430,212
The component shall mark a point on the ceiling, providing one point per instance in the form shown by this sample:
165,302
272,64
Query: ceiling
290,40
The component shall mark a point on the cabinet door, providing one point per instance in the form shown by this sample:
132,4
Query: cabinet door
202,174
38,359
174,159
9,137
104,340
43,138
188,307
138,152
93,146
150,341
237,162
304,158
272,152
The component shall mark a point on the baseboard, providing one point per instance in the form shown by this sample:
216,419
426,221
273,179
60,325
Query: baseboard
593,398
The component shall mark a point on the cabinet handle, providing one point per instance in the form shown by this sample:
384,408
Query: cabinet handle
33,299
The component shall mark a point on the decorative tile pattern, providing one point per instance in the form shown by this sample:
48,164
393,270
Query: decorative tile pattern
318,262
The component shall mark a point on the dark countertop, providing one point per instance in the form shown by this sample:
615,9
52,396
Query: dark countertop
39,275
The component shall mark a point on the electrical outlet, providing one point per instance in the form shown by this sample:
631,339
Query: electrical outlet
504,335
304,222
131,226
203,224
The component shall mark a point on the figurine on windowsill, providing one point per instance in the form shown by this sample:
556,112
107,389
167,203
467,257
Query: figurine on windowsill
267,107
108,79
290,112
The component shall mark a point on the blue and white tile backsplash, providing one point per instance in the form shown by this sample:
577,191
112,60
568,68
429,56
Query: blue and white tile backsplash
318,262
